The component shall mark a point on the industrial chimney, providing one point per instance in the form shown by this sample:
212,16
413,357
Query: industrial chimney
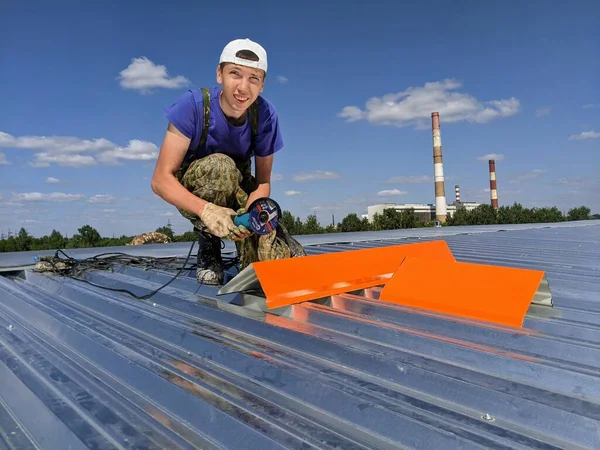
493,188
438,169
457,194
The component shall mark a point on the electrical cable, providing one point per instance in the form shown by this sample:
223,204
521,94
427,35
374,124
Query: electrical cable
79,266
75,268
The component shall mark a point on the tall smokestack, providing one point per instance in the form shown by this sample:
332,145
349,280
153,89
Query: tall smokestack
493,188
438,169
457,193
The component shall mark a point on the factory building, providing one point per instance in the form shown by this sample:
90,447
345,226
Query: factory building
440,210
424,212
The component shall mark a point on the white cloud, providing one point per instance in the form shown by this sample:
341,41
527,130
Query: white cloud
528,175
542,112
136,150
62,144
326,208
317,175
101,198
52,180
281,79
75,152
410,179
494,156
591,105
352,113
292,193
52,197
388,192
585,135
45,159
10,203
276,177
413,107
109,210
144,75
576,181
3,161
167,214
341,207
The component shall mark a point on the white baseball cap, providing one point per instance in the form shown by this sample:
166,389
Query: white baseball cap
231,50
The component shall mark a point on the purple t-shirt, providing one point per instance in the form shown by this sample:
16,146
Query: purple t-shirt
223,137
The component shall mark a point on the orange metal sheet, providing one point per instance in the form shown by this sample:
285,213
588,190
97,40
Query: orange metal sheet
499,295
294,280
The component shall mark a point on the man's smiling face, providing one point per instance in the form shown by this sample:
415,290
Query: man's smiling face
241,87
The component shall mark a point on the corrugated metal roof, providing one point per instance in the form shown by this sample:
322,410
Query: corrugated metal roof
84,367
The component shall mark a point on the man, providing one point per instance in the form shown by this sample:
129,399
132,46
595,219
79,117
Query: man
208,176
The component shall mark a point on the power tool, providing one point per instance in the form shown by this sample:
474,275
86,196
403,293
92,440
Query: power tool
262,216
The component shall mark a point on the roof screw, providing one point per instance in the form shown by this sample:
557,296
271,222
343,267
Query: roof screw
487,417
153,304
10,327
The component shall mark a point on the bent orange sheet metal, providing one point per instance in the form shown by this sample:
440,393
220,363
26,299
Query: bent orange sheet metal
294,280
500,295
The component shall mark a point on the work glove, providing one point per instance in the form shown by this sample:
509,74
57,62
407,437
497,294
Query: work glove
241,232
219,222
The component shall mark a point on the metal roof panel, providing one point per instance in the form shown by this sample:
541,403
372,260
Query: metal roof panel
86,367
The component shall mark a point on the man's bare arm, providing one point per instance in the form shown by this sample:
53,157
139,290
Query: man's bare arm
164,183
264,166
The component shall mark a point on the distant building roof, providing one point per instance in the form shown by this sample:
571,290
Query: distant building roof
84,367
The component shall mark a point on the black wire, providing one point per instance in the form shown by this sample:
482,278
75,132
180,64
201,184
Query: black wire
76,267
77,263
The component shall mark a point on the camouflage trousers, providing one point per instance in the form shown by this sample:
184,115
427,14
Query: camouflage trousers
218,179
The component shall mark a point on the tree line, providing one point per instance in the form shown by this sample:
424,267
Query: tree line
391,219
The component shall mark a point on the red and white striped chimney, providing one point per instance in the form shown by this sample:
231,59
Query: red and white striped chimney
438,168
493,188
457,193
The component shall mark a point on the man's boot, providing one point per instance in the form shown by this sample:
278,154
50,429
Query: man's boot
210,263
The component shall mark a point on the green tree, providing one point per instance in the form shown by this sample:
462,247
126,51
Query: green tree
293,224
188,236
166,230
10,245
483,215
579,213
512,214
298,227
56,240
24,240
90,236
366,225
390,219
87,236
460,217
287,220
351,223
408,218
312,226
330,229
547,215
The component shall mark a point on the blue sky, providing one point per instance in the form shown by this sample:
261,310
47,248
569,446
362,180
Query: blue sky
354,86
